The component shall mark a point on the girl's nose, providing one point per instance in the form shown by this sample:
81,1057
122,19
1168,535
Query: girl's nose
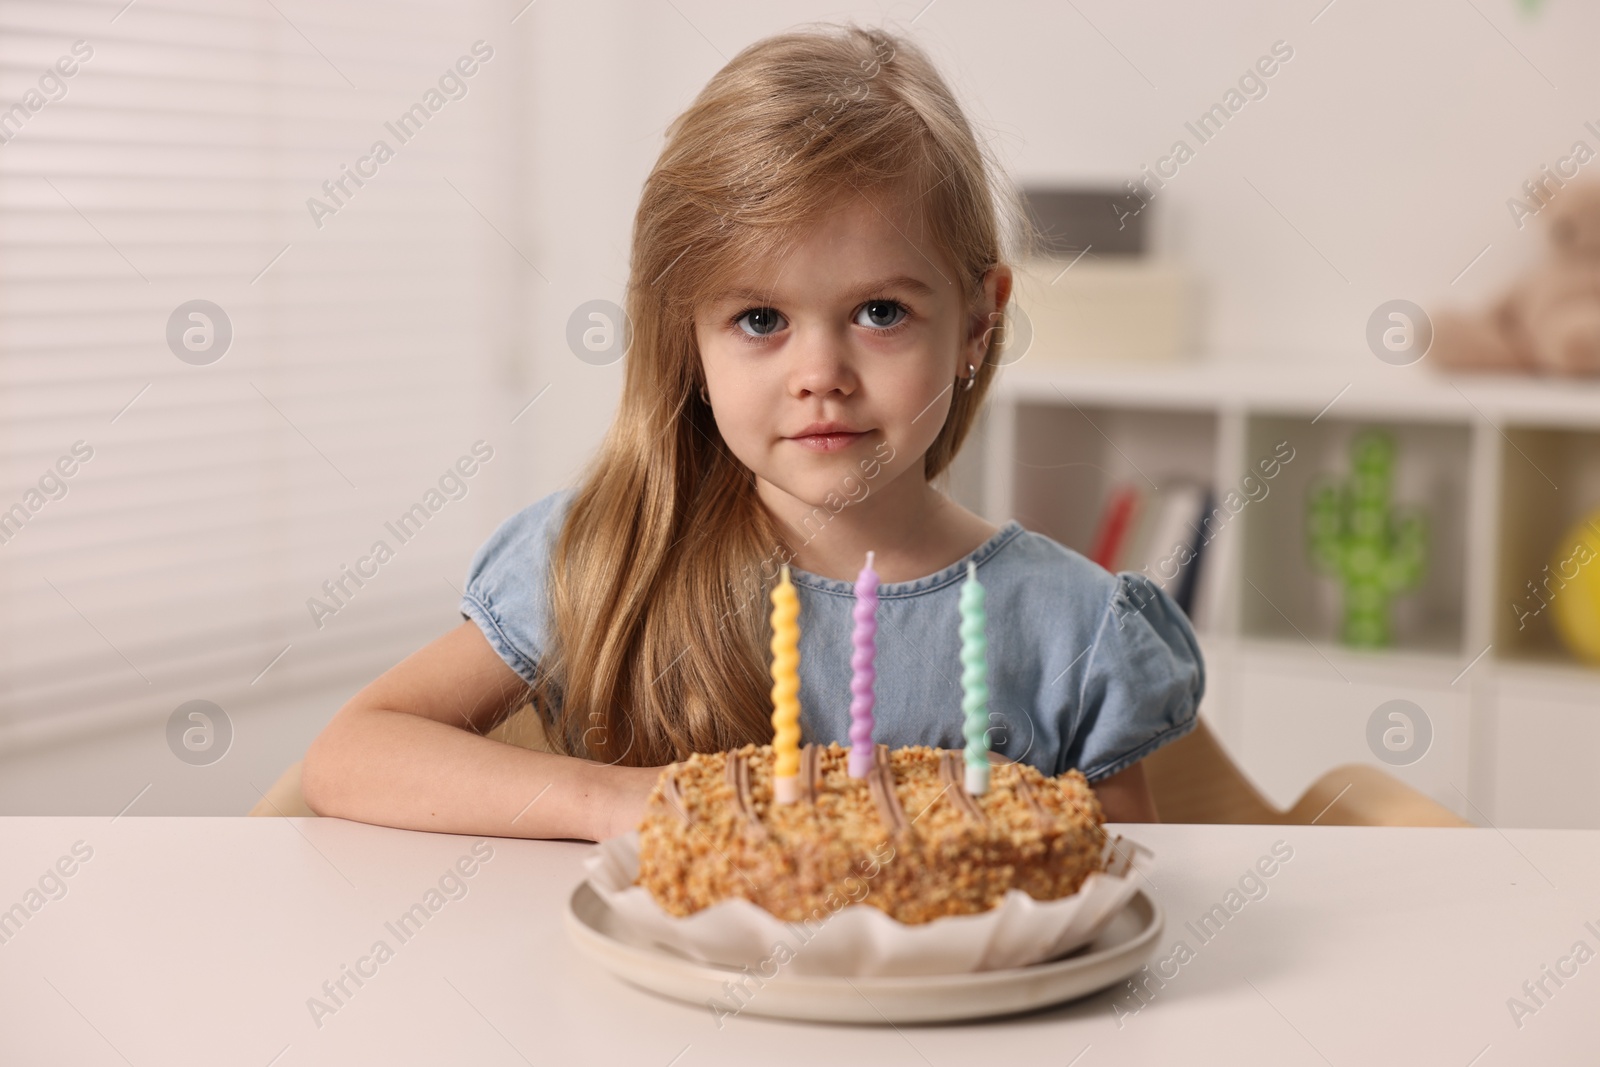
822,365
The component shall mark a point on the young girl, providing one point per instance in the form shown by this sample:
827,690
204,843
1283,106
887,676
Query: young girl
817,299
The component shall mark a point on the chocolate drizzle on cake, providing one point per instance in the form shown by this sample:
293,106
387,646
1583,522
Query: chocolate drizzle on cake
954,777
881,782
739,783
810,774
1041,817
672,793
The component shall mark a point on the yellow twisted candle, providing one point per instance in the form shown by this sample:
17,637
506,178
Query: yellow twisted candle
785,691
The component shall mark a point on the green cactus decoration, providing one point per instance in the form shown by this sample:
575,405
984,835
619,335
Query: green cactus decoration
1375,550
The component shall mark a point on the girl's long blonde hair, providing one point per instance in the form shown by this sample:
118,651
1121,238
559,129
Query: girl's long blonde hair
658,579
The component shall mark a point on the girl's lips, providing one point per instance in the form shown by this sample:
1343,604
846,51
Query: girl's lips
827,442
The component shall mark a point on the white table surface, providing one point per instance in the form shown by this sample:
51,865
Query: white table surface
200,940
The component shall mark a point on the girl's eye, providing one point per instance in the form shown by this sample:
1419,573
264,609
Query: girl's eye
759,322
881,314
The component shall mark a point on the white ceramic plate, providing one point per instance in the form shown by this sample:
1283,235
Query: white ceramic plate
1119,951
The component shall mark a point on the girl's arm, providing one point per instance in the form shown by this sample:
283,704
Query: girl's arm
408,751
1125,796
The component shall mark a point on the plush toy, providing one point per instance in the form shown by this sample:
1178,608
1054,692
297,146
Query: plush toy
1549,323
1355,535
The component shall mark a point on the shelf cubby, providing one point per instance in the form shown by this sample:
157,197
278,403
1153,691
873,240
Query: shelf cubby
1281,595
1549,481
1069,458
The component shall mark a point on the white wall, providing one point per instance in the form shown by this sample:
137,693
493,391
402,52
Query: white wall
1378,165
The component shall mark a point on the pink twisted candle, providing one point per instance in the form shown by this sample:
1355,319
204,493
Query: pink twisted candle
863,676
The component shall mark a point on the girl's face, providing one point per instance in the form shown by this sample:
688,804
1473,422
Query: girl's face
831,369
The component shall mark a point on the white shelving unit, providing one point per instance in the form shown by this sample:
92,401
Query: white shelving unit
1502,466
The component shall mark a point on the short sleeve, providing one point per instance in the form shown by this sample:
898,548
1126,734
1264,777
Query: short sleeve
1142,682
507,590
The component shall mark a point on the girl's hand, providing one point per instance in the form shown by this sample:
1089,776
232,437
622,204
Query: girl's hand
627,789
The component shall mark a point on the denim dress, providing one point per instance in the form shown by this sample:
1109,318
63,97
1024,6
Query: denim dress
1087,669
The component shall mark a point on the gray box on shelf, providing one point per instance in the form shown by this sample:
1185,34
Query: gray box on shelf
1068,220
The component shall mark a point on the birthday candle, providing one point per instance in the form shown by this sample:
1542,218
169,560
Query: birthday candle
863,676
975,682
785,692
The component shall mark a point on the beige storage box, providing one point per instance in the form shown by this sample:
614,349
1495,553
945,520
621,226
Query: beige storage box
1115,309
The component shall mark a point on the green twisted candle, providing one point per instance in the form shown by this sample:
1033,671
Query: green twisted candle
975,682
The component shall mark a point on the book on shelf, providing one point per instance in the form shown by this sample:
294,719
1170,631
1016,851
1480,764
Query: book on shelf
1188,580
1110,539
1158,534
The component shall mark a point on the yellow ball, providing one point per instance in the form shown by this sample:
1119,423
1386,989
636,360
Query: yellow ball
1575,606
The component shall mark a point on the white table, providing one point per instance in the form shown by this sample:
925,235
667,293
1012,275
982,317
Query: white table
200,941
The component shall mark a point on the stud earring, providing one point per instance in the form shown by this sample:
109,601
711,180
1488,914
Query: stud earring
972,376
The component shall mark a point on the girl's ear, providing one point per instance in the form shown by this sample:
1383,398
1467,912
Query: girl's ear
986,319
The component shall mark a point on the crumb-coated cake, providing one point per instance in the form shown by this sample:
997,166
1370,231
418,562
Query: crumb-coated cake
907,839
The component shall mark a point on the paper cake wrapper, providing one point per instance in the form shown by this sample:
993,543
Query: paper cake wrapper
859,940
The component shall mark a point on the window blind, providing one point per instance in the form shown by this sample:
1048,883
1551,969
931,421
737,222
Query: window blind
334,178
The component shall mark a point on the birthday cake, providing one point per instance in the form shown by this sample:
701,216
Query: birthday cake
906,838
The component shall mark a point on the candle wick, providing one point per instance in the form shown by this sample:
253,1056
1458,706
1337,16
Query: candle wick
972,570
869,561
